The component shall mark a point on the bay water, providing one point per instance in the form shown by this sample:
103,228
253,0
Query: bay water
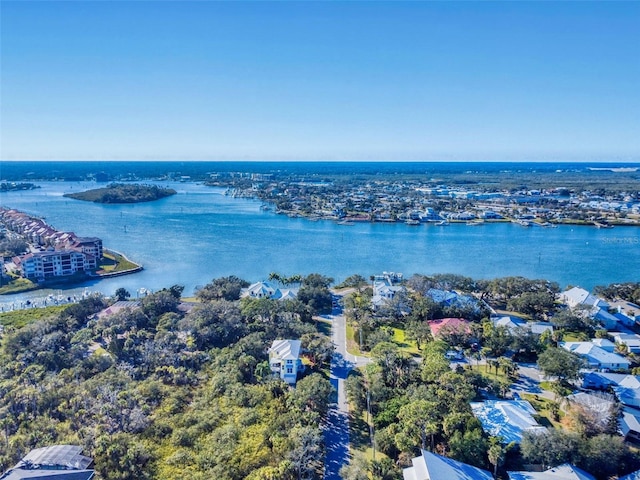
201,233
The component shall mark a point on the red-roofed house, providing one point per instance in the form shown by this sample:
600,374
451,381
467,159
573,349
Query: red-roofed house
450,325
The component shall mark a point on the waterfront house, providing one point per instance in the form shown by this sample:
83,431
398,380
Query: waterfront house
91,246
266,290
117,307
450,298
628,313
385,288
42,266
596,357
430,466
284,360
579,297
430,215
584,303
58,462
490,215
508,419
561,472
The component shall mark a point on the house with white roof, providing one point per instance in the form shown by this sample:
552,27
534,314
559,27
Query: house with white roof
284,359
625,387
602,380
577,297
600,405
580,299
538,328
266,290
604,343
628,391
561,472
631,340
385,288
430,466
596,357
517,325
627,312
508,419
57,462
629,424
450,298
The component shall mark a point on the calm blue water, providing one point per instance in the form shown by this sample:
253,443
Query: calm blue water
200,234
57,170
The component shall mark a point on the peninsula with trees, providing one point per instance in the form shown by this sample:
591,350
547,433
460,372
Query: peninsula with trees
123,193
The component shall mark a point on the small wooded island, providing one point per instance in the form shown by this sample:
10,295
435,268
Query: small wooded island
123,193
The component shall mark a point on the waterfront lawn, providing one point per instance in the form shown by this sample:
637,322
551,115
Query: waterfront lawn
114,262
20,318
17,285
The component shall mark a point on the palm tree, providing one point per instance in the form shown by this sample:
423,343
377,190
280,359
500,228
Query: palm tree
275,276
496,454
508,366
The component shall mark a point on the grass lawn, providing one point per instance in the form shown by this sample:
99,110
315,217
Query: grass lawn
490,373
20,318
543,407
352,343
190,299
17,285
514,314
545,385
398,338
360,439
114,262
406,345
575,337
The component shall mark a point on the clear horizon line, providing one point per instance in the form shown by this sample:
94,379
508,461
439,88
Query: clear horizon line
192,160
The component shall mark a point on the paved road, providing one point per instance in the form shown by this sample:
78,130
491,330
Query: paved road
529,378
336,429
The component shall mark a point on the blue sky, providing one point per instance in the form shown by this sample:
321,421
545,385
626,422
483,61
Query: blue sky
353,80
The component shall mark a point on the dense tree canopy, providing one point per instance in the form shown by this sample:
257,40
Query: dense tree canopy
153,392
560,363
